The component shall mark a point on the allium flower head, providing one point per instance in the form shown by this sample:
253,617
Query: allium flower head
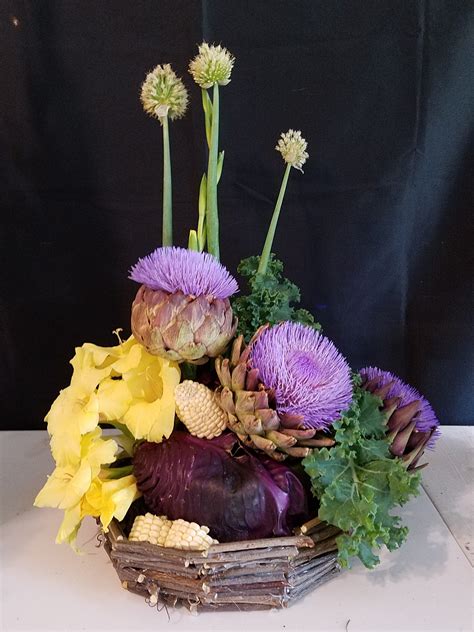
177,269
309,375
425,418
163,93
213,64
292,146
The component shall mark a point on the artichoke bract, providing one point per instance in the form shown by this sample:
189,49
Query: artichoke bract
182,310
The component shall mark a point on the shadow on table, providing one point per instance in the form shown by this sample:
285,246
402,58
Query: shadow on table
423,554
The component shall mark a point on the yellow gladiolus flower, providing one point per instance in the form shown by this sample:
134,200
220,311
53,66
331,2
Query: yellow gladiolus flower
111,498
71,417
123,385
70,526
68,484
152,411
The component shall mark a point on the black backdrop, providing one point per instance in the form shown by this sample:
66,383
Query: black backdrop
375,232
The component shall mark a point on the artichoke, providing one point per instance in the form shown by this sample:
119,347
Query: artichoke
251,409
412,424
182,310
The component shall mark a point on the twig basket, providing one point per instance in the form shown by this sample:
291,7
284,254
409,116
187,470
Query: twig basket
244,575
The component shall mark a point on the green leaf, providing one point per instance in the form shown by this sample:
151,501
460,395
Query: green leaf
207,107
358,482
270,298
372,419
220,165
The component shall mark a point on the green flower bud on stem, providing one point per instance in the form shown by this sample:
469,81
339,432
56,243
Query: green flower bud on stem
164,97
211,67
292,147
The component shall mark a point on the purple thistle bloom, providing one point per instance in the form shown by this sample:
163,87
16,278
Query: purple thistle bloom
308,374
425,418
177,269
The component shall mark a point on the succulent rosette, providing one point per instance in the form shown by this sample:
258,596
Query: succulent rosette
182,310
412,423
309,376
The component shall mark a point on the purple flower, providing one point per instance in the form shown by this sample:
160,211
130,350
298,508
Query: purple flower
425,418
308,374
178,269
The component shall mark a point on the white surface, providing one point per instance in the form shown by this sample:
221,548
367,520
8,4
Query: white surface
426,585
449,482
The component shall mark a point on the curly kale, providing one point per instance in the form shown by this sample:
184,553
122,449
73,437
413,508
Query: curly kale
270,298
358,482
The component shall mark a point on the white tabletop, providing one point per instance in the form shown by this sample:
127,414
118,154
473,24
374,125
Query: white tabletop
426,585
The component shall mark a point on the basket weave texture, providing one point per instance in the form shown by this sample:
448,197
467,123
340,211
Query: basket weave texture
244,575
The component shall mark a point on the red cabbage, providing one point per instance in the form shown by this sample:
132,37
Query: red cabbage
240,497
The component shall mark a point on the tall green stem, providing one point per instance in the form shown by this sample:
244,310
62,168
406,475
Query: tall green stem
267,248
212,217
167,190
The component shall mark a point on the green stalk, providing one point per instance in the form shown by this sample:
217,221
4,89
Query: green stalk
212,217
201,230
117,472
167,190
267,248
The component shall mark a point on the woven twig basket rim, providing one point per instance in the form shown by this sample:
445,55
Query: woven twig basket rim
245,575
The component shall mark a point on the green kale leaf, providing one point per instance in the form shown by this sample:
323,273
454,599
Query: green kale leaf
270,298
358,482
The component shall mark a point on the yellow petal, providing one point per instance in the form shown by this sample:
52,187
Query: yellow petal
117,496
92,501
86,375
150,421
69,412
114,399
65,487
144,381
66,447
70,525
96,452
77,486
105,356
130,357
52,493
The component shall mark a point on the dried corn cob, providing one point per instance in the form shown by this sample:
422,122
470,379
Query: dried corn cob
176,534
150,528
197,408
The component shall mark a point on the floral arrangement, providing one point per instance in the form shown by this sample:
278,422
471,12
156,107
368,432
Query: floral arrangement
231,415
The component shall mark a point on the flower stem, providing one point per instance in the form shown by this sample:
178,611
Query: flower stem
212,217
117,472
267,248
167,190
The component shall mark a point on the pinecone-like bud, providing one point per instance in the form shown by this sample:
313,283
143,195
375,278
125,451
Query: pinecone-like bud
197,408
251,413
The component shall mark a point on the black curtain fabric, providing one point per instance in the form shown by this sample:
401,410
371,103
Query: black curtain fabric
376,231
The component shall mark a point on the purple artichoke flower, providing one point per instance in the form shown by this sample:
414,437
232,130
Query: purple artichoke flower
180,270
309,376
182,311
412,424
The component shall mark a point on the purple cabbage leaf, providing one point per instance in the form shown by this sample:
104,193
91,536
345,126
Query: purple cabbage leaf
241,497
